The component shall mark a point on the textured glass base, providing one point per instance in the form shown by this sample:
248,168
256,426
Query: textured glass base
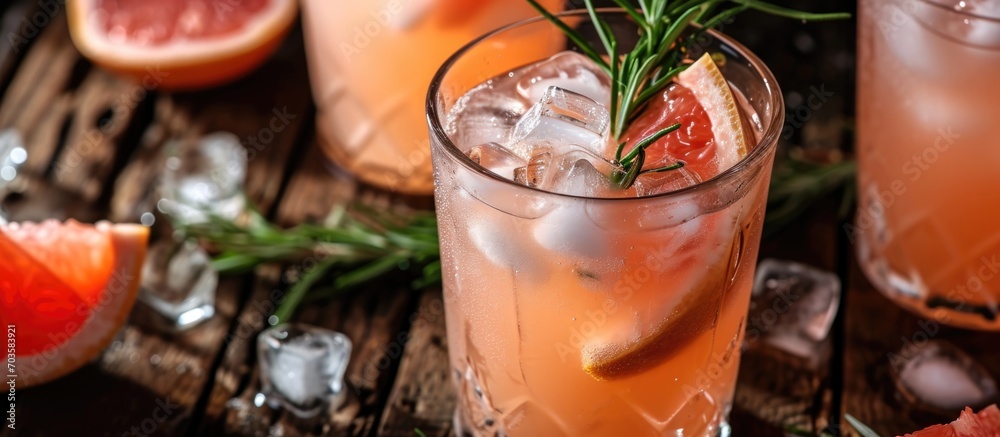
463,429
910,292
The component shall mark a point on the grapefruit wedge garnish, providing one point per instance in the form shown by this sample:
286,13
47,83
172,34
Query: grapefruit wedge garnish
180,44
66,289
712,139
985,423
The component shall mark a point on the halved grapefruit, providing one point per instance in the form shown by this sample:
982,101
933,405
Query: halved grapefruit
65,290
180,44
702,251
985,423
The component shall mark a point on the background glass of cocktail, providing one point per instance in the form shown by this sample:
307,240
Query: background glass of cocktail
370,63
926,228
570,315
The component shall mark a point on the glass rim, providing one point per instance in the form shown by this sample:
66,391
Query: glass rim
767,142
951,9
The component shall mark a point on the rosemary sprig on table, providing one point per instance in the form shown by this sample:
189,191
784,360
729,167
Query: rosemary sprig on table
796,185
657,57
358,245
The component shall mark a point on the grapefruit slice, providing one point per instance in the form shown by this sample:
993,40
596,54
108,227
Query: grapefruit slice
703,251
66,289
180,44
985,423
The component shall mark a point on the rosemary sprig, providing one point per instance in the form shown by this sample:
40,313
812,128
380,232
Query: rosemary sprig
796,185
354,246
658,57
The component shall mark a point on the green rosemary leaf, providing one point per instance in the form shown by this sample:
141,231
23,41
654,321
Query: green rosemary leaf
648,141
860,427
234,263
659,84
299,290
624,4
603,31
674,166
791,13
722,17
368,271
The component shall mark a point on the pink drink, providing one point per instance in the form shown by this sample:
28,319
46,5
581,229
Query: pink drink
927,124
592,313
370,62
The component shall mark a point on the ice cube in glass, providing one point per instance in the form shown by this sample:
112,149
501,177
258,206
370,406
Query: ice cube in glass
566,70
561,118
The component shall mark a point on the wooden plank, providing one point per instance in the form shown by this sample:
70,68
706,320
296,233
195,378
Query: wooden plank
423,395
876,328
18,34
149,368
38,102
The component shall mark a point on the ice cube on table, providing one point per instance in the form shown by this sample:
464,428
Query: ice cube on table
937,376
178,282
792,307
302,367
561,118
206,179
567,70
496,159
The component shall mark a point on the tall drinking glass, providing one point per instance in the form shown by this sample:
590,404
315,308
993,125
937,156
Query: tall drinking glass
637,333
926,228
370,62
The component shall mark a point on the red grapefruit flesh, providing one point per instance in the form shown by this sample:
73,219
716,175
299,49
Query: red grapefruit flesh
702,251
66,289
985,423
180,44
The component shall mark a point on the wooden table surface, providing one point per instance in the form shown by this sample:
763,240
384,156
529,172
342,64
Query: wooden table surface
94,143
